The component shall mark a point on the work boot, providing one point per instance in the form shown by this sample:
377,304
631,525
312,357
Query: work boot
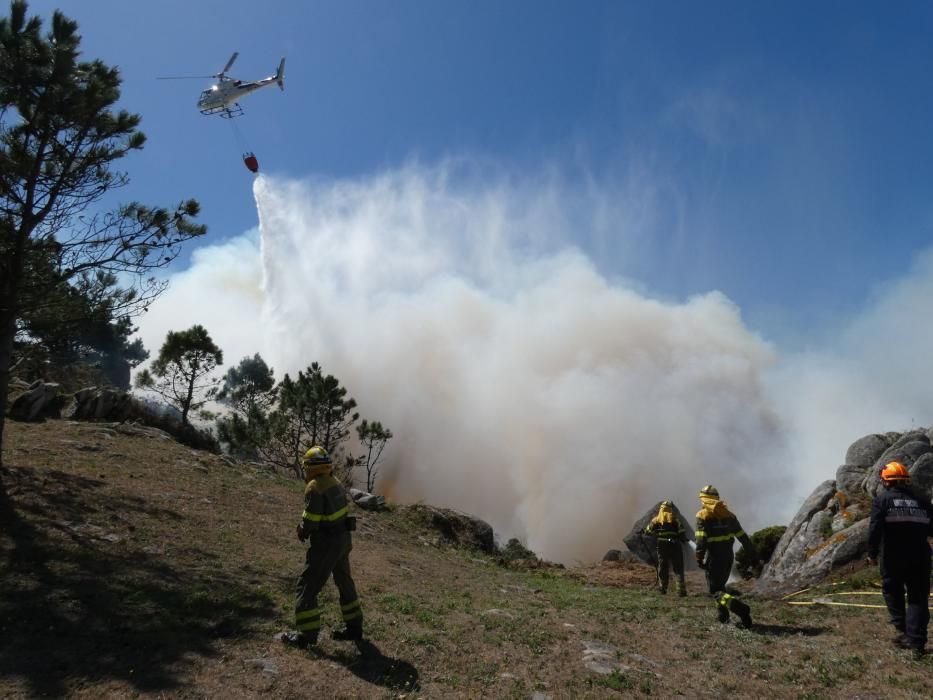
681,591
900,641
662,591
917,653
298,639
350,634
746,617
723,612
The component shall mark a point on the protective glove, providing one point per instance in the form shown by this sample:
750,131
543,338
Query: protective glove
701,562
300,533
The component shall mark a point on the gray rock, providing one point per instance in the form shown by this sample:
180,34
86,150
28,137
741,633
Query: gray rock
265,665
613,555
865,451
645,547
789,561
921,476
458,528
601,658
37,402
919,435
907,450
367,501
910,452
849,479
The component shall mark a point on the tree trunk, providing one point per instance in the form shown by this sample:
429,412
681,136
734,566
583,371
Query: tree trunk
7,333
186,406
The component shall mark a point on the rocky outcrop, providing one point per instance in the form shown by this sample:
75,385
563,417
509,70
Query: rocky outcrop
907,450
645,547
826,532
831,527
458,528
113,405
38,401
103,404
367,501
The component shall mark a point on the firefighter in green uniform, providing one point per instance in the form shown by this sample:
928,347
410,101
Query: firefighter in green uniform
326,526
670,534
716,528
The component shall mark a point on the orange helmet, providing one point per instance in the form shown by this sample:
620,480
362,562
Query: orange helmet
894,471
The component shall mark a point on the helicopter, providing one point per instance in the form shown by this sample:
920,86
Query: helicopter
221,98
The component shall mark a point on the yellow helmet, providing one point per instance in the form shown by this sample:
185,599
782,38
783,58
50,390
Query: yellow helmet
316,456
709,490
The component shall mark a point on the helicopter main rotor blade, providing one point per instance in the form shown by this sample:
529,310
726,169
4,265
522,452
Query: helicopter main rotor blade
184,77
230,62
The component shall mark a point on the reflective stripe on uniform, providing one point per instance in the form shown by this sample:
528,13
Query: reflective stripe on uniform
306,620
719,538
320,517
309,625
700,533
352,610
922,519
724,599
305,614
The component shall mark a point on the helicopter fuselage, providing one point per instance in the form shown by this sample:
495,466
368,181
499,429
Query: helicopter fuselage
226,92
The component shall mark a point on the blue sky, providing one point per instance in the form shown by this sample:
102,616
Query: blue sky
785,148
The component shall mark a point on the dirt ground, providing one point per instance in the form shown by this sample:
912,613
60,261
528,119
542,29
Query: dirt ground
135,567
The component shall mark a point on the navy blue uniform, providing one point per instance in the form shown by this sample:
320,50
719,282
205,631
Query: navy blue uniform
899,528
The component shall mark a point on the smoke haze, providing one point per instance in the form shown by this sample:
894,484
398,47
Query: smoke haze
521,384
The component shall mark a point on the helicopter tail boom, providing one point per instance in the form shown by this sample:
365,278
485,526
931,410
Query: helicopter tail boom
280,75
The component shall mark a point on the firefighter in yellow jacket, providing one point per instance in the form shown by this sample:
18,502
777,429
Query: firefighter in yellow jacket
324,523
670,534
716,529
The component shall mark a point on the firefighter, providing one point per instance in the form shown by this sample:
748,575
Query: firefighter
899,527
670,534
716,528
327,528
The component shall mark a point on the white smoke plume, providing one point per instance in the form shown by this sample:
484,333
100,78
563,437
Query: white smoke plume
522,386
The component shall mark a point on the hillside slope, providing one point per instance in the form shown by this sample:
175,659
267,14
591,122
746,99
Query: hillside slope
133,566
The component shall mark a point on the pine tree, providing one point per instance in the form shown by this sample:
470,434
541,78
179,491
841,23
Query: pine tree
181,374
60,138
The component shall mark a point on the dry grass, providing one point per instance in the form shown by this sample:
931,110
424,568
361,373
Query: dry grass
133,566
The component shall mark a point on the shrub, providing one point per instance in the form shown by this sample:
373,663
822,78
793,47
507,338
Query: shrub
765,540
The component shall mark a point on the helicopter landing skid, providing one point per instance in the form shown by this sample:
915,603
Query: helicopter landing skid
228,112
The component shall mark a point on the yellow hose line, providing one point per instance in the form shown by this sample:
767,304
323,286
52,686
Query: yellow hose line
874,593
848,605
791,595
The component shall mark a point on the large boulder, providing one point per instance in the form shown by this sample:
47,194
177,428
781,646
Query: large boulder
849,479
457,528
366,500
39,401
827,531
865,451
921,476
645,547
907,449
112,405
104,404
